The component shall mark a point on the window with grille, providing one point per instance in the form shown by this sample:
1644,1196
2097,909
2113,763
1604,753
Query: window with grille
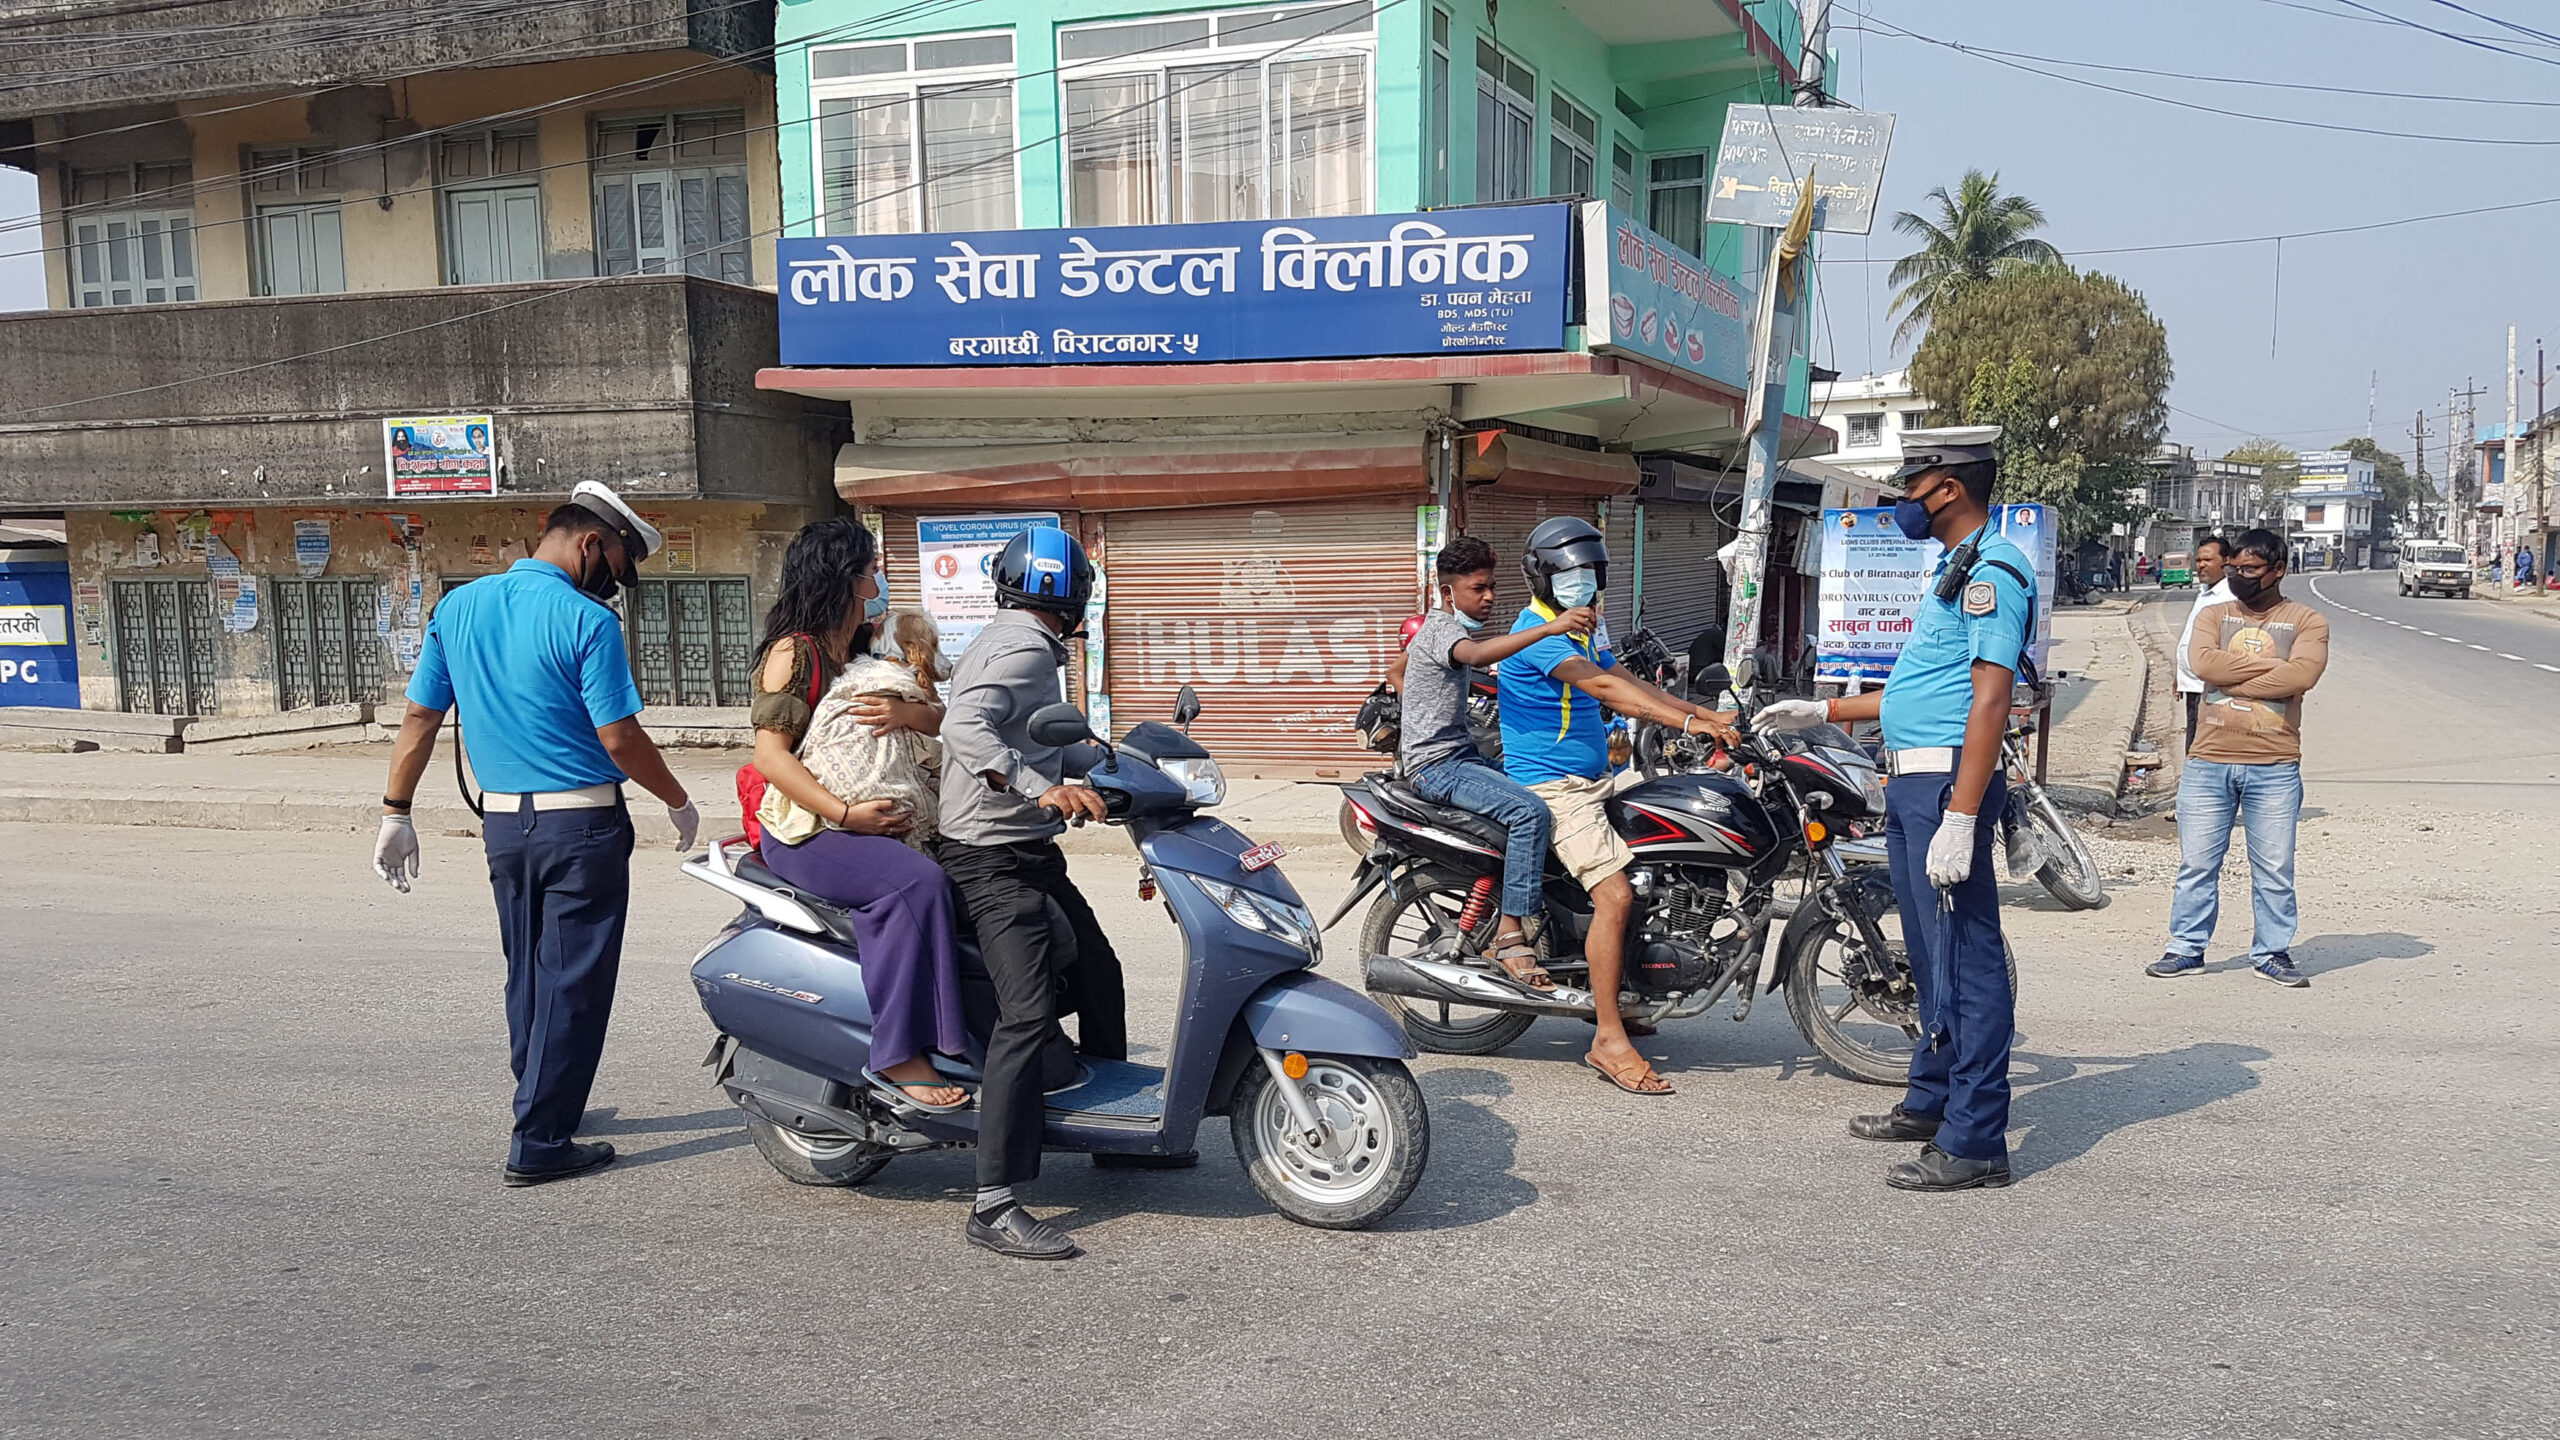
164,645
916,135
328,651
671,195
693,641
1573,147
1244,116
1506,118
1865,430
131,234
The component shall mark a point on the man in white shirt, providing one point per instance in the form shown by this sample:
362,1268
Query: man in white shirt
2211,551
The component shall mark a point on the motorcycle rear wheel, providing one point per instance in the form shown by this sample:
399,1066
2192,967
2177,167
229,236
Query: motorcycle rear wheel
1405,918
2071,872
805,1159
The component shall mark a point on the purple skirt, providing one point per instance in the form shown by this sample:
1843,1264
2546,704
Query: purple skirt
904,920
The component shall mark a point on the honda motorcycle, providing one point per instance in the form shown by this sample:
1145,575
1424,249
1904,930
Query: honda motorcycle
1713,847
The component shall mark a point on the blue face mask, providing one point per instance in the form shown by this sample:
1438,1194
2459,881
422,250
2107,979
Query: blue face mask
877,605
1463,618
1912,519
1574,587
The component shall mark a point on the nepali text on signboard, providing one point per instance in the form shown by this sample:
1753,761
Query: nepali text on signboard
1645,296
1446,283
1873,581
37,663
1769,151
440,455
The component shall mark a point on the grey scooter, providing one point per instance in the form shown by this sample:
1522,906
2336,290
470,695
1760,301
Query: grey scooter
1325,1114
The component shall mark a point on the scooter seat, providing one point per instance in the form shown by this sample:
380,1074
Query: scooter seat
1408,802
839,924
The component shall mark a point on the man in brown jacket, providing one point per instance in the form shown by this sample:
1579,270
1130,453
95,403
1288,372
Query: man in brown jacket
2258,654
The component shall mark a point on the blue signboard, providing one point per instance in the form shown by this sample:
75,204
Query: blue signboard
1650,298
37,663
1451,282
1873,581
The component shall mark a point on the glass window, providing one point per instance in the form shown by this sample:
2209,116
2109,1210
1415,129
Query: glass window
1506,115
1622,178
1678,202
848,61
1435,180
130,235
927,147
1573,146
1865,430
1276,126
671,195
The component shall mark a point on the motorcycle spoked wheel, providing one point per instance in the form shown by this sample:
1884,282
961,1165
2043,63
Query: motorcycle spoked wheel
1867,1029
2070,871
1413,913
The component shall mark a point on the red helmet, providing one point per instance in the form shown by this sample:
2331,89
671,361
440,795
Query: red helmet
1412,627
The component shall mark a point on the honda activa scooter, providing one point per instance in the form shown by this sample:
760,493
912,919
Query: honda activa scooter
1325,1115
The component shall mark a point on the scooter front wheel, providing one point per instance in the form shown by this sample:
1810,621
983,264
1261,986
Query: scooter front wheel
1376,1137
805,1159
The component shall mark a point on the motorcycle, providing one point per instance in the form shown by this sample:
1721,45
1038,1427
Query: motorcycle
2039,838
1711,848
1325,1114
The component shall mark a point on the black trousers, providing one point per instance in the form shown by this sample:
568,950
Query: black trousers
2195,702
563,884
1023,980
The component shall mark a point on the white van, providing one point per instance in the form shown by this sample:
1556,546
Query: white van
2426,566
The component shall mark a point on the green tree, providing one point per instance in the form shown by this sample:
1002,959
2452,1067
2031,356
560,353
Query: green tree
2278,471
2399,488
2075,370
1978,234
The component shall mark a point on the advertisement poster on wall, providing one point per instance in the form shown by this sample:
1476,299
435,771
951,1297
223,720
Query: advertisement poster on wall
956,556
37,664
440,455
1873,581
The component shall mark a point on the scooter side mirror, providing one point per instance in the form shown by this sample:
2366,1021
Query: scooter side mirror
1186,708
1058,726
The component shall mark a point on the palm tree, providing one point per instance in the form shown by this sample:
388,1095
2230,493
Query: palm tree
1978,234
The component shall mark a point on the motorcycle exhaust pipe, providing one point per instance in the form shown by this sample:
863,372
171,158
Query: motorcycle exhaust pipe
1417,978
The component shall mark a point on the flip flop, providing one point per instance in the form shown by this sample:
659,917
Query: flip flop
1630,1077
897,1093
1519,963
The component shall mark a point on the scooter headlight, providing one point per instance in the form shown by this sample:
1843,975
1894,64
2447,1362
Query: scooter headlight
1294,924
1199,777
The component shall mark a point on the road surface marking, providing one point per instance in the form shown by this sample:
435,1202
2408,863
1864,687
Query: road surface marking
2554,669
2503,655
2479,647
2449,640
2432,633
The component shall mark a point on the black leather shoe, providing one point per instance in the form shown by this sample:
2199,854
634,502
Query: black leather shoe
1013,1231
1894,1124
1938,1170
1183,1161
582,1158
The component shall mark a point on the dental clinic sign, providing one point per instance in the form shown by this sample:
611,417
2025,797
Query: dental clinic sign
1450,282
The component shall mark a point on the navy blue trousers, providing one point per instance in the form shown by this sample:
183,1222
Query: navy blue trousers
563,882
1967,1012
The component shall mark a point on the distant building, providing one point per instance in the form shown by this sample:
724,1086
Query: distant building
2331,509
2190,498
1870,413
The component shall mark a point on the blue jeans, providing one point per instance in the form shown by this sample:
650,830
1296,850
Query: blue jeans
1471,784
2268,801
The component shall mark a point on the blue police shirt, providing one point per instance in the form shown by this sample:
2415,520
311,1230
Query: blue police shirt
1930,690
1550,730
539,666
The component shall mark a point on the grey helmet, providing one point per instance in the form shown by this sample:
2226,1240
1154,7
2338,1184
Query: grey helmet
1559,544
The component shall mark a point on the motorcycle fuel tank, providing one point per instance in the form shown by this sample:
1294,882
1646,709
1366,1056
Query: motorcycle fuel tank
1694,818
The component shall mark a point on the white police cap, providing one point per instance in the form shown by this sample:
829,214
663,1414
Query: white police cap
640,539
1927,450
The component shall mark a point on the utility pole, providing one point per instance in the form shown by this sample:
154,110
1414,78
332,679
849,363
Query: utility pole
2418,432
2509,493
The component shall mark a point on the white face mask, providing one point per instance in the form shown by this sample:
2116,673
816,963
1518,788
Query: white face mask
1574,587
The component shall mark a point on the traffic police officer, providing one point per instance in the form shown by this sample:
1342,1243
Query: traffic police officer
536,659
1944,709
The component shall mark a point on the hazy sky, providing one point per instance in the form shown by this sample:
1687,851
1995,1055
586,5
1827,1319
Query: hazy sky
2425,305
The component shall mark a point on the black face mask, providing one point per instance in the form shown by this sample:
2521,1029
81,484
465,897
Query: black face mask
599,582
2247,588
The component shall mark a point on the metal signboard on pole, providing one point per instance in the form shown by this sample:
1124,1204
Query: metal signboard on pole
1770,152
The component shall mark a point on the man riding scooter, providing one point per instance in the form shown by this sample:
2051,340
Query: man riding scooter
1556,741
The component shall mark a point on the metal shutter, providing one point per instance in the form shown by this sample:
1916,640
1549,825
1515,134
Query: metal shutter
1683,584
1282,617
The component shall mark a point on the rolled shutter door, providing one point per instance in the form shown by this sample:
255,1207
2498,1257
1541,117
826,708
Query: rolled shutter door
1683,584
1281,617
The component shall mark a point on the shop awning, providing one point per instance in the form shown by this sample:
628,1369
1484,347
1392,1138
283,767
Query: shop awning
1619,400
1522,465
1135,474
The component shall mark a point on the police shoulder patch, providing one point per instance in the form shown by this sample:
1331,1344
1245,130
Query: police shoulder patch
1980,598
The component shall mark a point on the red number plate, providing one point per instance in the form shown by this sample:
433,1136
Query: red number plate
1261,857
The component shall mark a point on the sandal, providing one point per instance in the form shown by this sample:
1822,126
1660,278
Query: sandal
1520,962
1634,1077
901,1093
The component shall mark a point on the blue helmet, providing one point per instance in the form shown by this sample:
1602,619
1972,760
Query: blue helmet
1043,568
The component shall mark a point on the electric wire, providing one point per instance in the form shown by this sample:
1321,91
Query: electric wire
676,262
2262,239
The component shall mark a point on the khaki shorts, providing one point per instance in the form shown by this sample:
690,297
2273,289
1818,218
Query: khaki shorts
1584,839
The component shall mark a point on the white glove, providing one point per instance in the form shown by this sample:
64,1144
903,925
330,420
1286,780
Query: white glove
1951,851
688,823
1792,715
395,852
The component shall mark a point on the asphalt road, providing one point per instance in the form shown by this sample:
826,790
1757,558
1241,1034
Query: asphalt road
248,1180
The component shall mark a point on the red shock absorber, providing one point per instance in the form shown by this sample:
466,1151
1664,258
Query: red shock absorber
1479,904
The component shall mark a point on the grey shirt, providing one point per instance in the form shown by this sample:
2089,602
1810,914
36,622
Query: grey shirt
1434,724
1008,672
